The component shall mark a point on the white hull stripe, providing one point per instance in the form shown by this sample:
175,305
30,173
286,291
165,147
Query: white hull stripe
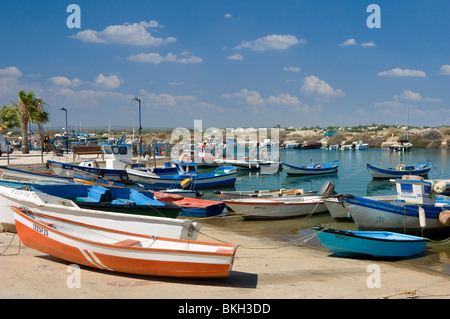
90,256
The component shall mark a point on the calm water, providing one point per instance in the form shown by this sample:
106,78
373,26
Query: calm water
352,178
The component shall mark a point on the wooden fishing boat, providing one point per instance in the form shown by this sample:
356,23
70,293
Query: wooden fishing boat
346,243
122,251
339,212
193,207
326,190
271,208
187,177
59,207
311,169
17,174
400,217
93,181
420,169
113,199
268,193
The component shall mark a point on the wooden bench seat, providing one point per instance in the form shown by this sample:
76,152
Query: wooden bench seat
87,150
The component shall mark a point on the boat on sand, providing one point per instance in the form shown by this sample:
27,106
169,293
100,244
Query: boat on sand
121,251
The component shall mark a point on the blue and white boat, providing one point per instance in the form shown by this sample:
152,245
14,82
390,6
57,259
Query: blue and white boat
311,169
187,177
17,174
346,243
420,169
416,210
117,157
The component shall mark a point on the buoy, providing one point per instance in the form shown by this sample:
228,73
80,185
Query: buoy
444,217
422,219
440,187
185,183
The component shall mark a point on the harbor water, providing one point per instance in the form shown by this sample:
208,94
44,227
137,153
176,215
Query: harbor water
351,178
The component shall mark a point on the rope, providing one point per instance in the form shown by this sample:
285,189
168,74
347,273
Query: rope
7,247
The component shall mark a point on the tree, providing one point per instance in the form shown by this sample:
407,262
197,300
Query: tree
28,105
39,116
9,117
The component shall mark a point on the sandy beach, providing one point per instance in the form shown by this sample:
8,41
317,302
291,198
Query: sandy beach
264,268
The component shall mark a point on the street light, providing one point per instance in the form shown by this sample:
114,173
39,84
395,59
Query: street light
67,132
140,127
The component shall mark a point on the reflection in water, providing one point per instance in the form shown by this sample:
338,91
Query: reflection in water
351,178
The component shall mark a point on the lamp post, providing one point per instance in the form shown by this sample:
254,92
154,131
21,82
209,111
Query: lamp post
67,132
140,127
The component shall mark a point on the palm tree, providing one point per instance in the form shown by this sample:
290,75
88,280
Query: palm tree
28,105
39,116
9,118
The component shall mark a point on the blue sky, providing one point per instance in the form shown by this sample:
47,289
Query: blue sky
230,63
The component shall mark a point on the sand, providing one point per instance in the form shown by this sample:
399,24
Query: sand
263,269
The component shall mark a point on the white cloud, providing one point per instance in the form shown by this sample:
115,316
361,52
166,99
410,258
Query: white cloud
251,97
348,42
135,34
177,103
63,81
408,95
108,82
89,98
10,72
228,16
445,69
312,85
398,72
291,68
352,41
236,57
283,99
155,58
368,44
271,42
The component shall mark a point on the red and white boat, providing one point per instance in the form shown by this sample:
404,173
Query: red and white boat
271,208
122,251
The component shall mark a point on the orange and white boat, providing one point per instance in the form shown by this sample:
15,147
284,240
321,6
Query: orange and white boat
122,251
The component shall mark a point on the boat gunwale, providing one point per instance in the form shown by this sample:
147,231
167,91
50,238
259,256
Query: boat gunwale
233,247
349,233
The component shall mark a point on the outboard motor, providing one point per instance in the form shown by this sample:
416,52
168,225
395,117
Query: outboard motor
326,190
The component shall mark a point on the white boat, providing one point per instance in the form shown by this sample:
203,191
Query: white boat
270,208
339,212
327,189
269,193
415,210
121,250
63,208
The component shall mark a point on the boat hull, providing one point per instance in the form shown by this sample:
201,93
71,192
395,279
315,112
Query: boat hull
369,243
118,257
66,209
378,172
376,215
307,170
207,180
69,170
339,212
265,208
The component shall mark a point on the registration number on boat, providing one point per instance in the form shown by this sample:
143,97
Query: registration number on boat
40,229
340,237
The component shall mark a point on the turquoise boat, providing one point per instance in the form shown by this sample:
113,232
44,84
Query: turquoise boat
346,243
